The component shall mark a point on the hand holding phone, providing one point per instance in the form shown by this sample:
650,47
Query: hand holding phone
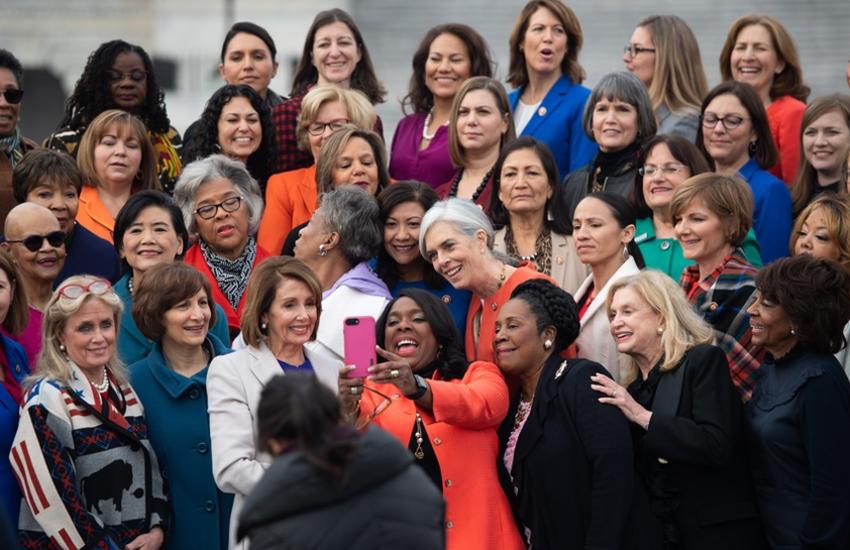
359,345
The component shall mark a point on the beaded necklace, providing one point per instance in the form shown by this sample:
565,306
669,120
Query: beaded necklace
478,190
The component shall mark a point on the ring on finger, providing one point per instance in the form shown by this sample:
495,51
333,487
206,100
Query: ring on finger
614,393
394,373
354,390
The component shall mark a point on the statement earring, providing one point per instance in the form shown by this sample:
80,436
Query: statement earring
625,252
547,344
322,250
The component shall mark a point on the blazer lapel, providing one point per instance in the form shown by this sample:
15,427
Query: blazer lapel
549,104
532,431
263,364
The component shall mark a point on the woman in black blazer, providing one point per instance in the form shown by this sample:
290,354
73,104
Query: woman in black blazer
694,490
565,458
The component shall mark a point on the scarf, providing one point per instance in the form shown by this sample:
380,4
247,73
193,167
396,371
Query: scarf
167,159
10,145
231,275
606,165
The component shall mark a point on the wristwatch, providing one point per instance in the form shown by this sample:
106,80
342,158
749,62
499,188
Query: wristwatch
421,388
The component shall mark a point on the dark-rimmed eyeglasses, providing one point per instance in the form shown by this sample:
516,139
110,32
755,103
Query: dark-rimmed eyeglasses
13,95
208,211
98,287
117,76
382,406
730,122
667,169
633,50
33,242
318,128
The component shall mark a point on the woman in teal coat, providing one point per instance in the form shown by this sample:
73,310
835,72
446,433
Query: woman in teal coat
173,307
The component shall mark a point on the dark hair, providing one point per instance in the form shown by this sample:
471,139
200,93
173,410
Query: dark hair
161,288
766,153
299,410
419,97
42,167
796,284
92,94
499,214
248,28
363,78
17,316
9,61
682,150
394,195
553,307
624,213
452,359
134,206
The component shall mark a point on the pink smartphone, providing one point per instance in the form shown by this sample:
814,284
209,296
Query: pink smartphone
359,343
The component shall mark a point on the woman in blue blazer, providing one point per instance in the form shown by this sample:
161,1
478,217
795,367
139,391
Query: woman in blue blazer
549,99
173,307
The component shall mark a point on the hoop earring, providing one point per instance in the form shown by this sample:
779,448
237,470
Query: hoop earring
752,146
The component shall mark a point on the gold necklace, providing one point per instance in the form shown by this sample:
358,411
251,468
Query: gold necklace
419,453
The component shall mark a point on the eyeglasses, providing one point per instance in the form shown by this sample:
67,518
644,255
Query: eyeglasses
98,287
730,122
633,50
382,406
13,95
318,128
117,76
33,242
667,169
208,211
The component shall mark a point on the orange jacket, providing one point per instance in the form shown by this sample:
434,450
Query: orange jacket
785,116
93,214
290,201
462,429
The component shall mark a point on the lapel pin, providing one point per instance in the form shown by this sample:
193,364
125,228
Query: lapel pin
560,370
541,111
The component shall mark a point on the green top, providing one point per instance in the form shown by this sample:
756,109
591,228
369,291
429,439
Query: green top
666,254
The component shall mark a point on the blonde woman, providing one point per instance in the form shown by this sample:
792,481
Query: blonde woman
686,421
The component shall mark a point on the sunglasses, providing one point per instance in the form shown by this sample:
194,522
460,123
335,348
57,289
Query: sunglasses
13,95
98,287
382,406
33,242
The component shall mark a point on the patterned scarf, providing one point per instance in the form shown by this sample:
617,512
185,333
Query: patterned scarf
542,257
10,145
167,159
231,275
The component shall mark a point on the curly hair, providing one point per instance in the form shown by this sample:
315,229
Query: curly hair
206,142
554,307
92,96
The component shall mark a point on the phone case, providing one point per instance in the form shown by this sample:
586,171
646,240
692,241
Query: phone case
359,343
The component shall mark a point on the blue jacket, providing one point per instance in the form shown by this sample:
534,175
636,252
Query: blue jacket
10,494
179,431
132,344
772,216
557,123
88,253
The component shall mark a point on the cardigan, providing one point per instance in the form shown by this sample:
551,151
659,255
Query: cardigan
557,123
461,427
567,270
89,475
799,435
290,201
7,197
772,214
572,472
785,117
18,367
432,165
85,252
179,430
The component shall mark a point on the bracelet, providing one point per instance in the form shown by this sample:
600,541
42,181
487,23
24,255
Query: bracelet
421,388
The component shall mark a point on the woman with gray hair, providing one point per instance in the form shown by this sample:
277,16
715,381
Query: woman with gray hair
341,237
457,238
619,118
222,205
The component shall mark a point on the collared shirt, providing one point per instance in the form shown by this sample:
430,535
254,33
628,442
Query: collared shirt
93,214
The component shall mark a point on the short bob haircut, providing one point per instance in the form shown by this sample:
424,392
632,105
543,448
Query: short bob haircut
363,78
453,363
500,98
626,87
683,327
678,79
682,150
419,97
45,167
787,82
125,124
463,214
262,286
554,307
766,153
836,211
727,197
134,207
17,315
332,148
361,113
500,216
216,167
248,27
52,362
353,214
796,284
807,177
570,67
161,288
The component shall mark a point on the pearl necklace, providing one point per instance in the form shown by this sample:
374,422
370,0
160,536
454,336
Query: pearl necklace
104,384
425,134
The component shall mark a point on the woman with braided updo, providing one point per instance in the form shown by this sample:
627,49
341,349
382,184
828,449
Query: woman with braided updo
557,425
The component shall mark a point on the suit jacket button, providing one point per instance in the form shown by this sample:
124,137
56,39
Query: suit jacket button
665,245
449,524
437,441
448,483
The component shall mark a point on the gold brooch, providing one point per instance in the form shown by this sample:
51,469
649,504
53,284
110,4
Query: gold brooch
447,299
541,111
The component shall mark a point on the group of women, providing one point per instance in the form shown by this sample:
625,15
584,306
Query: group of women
589,334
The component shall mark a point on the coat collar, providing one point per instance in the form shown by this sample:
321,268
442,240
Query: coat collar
128,324
628,268
94,207
84,396
553,99
176,384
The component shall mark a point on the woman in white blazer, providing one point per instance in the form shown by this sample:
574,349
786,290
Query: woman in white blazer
279,325
603,231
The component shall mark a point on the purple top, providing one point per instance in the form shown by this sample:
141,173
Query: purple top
30,337
432,165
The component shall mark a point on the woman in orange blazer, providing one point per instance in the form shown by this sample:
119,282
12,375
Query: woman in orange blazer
445,411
